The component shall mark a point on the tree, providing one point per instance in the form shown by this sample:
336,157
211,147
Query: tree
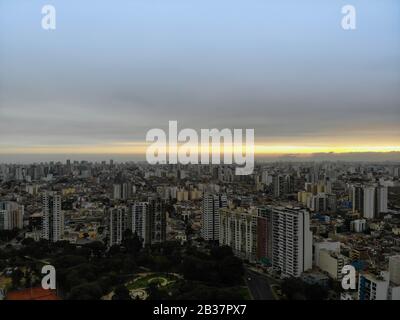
194,268
16,277
86,291
230,270
154,292
296,289
97,248
188,230
67,261
161,263
28,279
316,292
219,253
131,242
27,241
121,293
114,250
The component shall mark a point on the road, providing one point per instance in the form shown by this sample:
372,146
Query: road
259,285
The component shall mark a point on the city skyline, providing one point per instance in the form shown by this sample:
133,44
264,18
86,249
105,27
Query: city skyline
195,158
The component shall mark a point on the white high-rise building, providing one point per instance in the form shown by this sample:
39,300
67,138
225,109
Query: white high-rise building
210,219
118,223
291,241
53,217
238,229
3,172
11,215
373,287
117,194
20,173
147,219
381,199
369,203
318,203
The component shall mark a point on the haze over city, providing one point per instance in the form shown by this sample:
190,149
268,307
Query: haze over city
190,157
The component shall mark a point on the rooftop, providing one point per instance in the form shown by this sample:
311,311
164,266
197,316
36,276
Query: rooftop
33,294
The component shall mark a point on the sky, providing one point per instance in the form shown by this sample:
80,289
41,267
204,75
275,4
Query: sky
112,70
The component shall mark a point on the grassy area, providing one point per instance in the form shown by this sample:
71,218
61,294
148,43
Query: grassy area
144,281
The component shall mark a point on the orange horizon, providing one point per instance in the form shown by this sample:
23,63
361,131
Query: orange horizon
259,149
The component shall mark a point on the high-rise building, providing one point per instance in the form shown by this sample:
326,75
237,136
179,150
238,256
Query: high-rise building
266,178
140,221
118,223
11,215
318,202
291,241
282,185
117,194
369,201
210,217
122,191
4,224
332,263
264,234
247,232
20,173
53,217
147,219
157,217
357,196
394,269
126,190
381,200
373,287
278,185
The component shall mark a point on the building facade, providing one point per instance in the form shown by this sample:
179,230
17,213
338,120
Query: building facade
11,215
291,241
53,217
212,203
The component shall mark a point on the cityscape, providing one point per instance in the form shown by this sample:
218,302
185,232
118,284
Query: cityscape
125,230
199,157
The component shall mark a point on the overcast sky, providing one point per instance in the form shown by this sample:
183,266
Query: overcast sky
114,69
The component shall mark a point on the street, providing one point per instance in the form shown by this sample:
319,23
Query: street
258,285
